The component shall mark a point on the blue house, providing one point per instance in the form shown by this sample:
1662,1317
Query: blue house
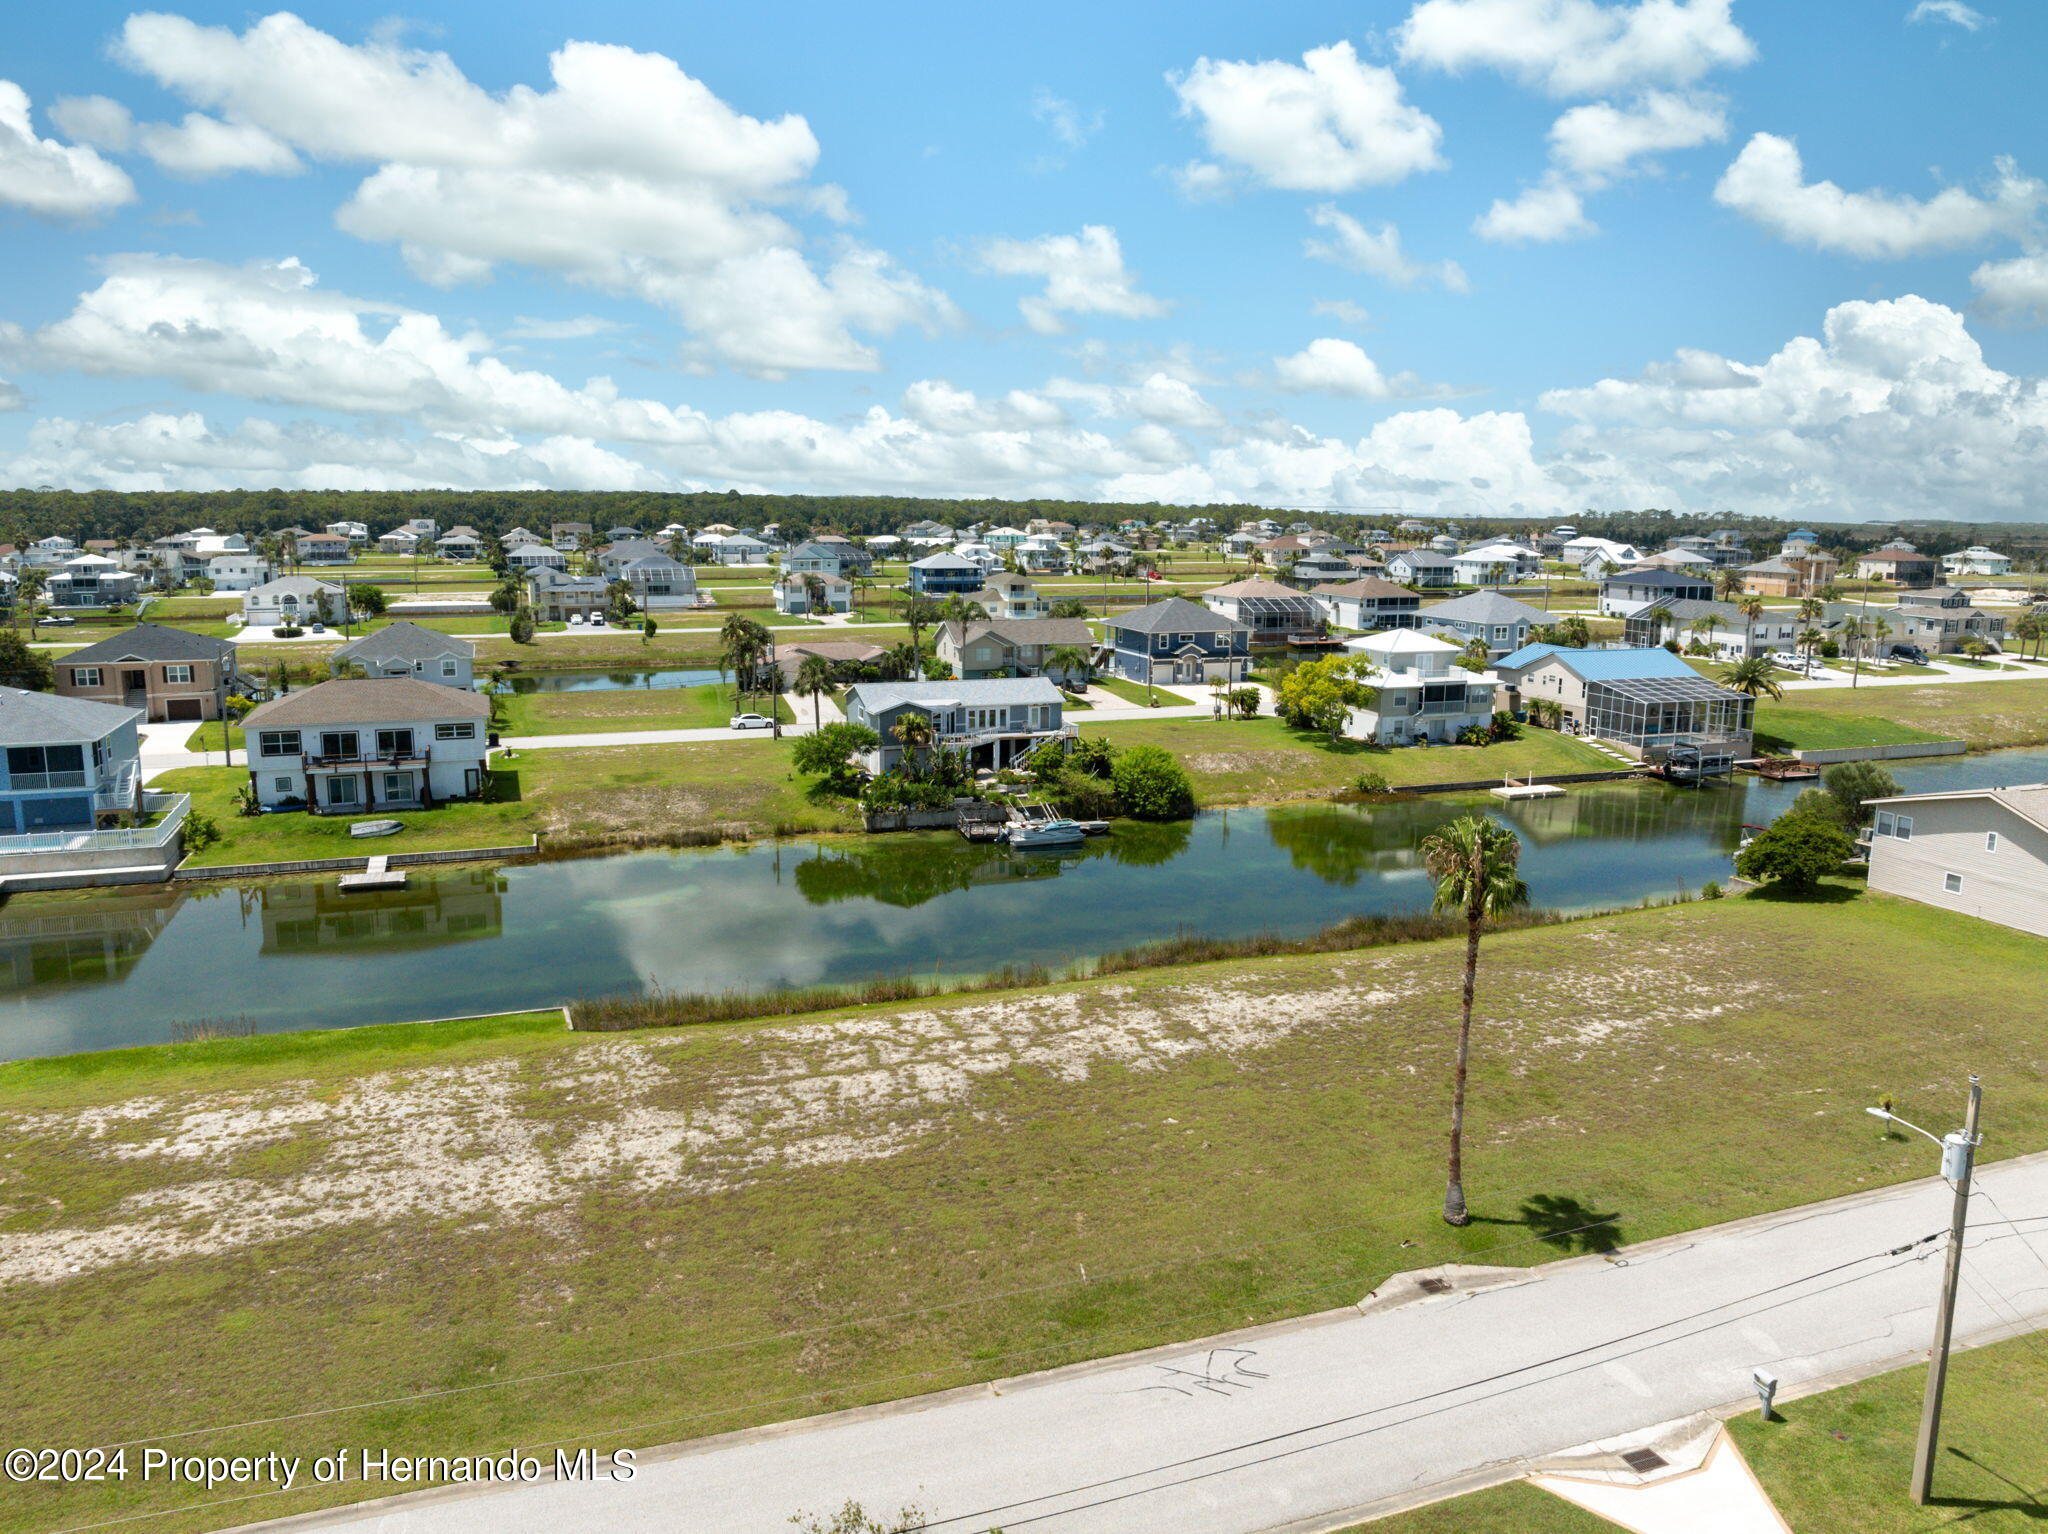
1178,642
68,761
945,575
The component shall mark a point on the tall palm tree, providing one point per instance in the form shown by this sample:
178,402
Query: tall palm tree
1473,655
814,593
1473,861
1659,619
28,594
814,679
1577,632
1066,660
920,613
1810,640
1811,609
1752,675
1728,583
1751,606
1703,627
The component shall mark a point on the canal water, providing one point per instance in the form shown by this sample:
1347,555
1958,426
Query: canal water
111,968
639,678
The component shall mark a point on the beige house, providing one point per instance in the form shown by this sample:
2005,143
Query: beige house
167,673
1982,852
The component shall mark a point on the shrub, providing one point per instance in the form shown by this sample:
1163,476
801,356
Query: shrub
1853,783
892,791
1503,726
1093,755
1370,782
369,600
828,753
522,627
1151,785
1796,851
1710,890
201,831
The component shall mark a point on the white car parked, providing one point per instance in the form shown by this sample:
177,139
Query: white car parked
752,722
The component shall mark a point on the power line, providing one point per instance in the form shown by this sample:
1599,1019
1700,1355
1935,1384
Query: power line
1897,1251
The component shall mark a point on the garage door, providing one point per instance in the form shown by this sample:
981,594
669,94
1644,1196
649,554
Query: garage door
181,708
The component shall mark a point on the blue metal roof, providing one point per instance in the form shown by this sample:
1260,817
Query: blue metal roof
1603,665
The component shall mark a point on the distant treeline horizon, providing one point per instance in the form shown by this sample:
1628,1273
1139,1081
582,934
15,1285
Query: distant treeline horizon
141,515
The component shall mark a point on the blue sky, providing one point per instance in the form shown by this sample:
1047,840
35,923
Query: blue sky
1446,255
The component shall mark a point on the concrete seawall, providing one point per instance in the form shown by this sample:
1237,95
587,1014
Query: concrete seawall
1883,753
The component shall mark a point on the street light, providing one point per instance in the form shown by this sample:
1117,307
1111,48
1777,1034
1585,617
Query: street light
1958,1160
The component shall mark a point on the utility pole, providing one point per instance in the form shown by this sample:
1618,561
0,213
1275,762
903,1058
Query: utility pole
1958,1160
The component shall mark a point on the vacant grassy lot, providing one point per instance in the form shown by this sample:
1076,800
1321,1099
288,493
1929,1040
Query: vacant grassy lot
1840,1460
1986,714
572,796
669,708
788,1216
1254,761
1136,692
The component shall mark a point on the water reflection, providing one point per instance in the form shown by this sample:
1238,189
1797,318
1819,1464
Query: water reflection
74,943
461,905
650,678
129,966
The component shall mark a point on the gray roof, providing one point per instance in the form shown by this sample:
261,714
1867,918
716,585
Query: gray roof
404,641
41,718
1486,607
1052,631
151,641
881,697
548,578
1686,609
297,585
1659,578
1421,559
1370,586
944,562
374,700
1176,615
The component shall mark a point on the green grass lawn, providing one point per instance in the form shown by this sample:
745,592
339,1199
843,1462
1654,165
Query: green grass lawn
572,796
671,708
1840,1461
1137,692
1986,714
1260,760
407,1219
207,737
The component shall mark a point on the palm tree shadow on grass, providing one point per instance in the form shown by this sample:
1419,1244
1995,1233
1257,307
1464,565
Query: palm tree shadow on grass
1566,1223
2029,1504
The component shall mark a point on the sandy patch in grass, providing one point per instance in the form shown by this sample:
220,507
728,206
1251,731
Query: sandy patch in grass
680,1116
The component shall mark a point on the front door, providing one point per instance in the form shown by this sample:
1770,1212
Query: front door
133,682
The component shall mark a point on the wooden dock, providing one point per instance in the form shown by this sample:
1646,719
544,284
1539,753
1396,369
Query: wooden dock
380,875
1513,790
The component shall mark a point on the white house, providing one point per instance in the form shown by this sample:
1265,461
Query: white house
1594,555
354,532
1421,695
293,599
995,723
1487,564
369,746
793,594
1419,567
523,557
237,572
1976,560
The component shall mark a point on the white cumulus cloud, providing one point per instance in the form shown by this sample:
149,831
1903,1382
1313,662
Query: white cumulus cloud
1377,251
206,146
49,178
1577,47
2013,290
1600,140
625,174
1084,274
1331,123
1541,214
1767,184
1954,12
1331,365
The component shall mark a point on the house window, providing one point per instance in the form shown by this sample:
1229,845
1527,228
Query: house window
85,676
277,743
342,790
1952,883
179,674
394,742
282,785
448,668
463,731
340,743
1903,828
1990,841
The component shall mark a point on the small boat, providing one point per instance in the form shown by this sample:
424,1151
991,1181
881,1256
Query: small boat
375,827
1035,825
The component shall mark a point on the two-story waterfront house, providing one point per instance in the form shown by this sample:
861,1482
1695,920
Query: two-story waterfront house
1420,694
1008,595
360,746
1419,567
1722,626
1648,586
1940,620
293,599
92,580
322,549
1176,641
408,650
165,673
997,723
68,762
1368,603
1018,647
817,557
944,575
557,596
1980,851
798,593
1270,610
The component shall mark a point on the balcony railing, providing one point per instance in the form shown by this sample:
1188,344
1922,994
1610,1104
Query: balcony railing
171,807
418,756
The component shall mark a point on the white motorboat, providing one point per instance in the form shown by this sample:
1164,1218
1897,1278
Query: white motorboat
1035,825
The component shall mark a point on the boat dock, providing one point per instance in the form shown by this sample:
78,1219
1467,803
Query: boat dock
1510,789
380,875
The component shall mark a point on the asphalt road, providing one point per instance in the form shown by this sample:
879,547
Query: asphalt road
1293,1425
